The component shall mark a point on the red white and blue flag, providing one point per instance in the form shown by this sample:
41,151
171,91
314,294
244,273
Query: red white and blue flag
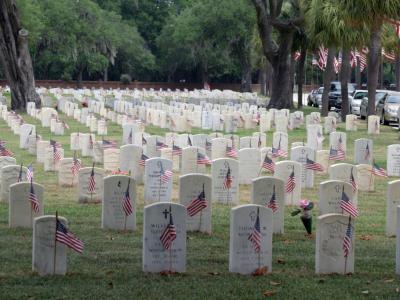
228,179
65,237
142,161
126,201
198,204
347,206
33,199
165,175
29,173
76,165
353,181
255,235
347,240
169,233
313,165
268,164
272,203
203,159
379,171
176,150
290,183
231,152
92,181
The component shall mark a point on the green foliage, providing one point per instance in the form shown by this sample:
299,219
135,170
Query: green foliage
126,79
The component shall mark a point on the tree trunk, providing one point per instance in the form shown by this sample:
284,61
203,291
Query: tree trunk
300,77
15,57
328,75
358,74
268,75
397,63
373,66
262,81
105,77
245,85
292,78
344,80
281,96
80,77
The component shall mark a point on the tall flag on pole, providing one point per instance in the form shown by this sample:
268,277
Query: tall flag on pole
353,181
268,164
33,199
255,235
272,203
347,206
142,161
291,183
108,144
56,151
76,165
198,204
203,159
228,179
379,171
92,181
126,201
65,237
169,233
29,173
347,241
313,165
165,175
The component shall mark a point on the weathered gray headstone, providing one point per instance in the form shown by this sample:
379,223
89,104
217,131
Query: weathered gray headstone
85,193
157,188
392,202
330,195
9,175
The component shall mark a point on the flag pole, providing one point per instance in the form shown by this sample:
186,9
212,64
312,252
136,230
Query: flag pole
370,181
159,190
345,258
197,155
55,246
201,211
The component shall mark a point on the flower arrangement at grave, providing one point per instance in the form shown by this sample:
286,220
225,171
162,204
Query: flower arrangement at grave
305,208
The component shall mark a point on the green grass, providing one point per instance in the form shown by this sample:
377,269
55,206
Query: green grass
111,264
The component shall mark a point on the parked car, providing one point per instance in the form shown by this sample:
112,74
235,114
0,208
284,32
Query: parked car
318,97
388,106
335,94
364,103
355,101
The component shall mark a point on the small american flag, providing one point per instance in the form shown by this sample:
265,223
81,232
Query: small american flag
76,165
56,154
347,206
340,147
268,164
198,204
176,150
231,152
335,154
165,175
272,203
142,161
65,237
208,145
353,181
92,181
259,143
108,144
279,152
160,145
33,199
291,183
312,165
189,141
367,152
347,240
29,173
169,233
203,159
255,235
126,201
379,171
144,141
5,152
228,179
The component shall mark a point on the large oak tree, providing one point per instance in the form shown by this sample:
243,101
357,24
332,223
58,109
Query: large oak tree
15,57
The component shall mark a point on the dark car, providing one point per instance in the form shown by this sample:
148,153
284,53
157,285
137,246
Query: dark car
335,94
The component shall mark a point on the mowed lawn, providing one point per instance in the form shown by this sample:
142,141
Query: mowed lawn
110,267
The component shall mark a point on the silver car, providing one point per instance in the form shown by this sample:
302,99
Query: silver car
355,101
388,106
364,103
